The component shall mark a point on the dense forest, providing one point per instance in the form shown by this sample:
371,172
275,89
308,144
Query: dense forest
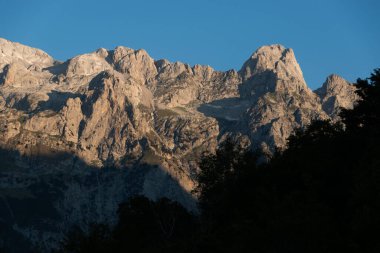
321,194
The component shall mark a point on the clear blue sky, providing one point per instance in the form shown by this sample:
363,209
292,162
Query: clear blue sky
328,36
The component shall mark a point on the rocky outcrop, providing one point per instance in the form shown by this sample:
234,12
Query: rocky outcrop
336,93
150,120
11,52
272,69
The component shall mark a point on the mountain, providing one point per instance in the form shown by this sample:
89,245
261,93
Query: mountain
336,93
80,136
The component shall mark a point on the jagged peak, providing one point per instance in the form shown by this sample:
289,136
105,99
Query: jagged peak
87,64
121,51
167,69
203,70
336,85
14,51
276,58
334,78
18,47
137,63
332,82
335,93
102,52
274,50
203,67
272,68
270,48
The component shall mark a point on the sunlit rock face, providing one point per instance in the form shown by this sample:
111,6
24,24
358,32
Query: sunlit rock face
87,133
336,93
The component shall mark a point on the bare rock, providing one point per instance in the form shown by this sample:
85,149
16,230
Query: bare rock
72,115
87,64
136,63
14,52
272,69
151,120
336,93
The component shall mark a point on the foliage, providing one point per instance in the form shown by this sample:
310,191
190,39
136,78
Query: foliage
143,226
322,194
97,239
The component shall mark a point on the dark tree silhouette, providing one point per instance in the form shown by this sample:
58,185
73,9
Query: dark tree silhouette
366,113
322,194
97,240
144,226
147,226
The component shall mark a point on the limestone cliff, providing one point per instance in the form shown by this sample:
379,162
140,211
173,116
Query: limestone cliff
336,93
102,126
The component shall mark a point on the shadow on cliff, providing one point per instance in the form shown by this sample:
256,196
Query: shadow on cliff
258,84
58,68
43,194
229,113
57,100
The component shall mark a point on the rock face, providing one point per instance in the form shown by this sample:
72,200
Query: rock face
281,100
102,126
336,93
272,69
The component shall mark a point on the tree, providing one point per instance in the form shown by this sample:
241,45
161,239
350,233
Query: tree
148,226
144,226
366,113
96,240
322,194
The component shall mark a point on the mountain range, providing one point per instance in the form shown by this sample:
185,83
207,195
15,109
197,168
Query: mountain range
80,136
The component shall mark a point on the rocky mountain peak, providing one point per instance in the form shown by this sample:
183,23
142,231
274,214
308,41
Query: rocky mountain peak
88,64
275,58
15,52
272,68
333,84
137,63
102,52
150,119
336,93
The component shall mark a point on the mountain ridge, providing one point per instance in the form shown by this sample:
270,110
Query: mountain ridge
160,85
105,52
121,108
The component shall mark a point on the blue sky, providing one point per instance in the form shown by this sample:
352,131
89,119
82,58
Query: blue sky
328,36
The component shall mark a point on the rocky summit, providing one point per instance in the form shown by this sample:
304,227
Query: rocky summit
78,137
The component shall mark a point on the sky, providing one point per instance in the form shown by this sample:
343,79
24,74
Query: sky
327,36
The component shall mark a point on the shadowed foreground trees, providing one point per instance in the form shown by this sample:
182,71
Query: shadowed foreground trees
322,194
143,226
